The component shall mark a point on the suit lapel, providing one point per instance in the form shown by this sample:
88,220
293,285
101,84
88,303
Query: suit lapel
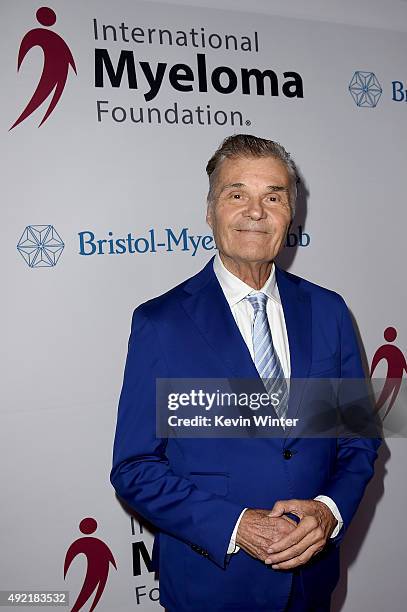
298,319
297,315
206,305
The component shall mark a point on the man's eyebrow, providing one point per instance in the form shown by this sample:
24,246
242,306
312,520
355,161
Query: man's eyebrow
277,188
232,185
269,187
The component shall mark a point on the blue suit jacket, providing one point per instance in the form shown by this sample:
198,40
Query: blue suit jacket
193,490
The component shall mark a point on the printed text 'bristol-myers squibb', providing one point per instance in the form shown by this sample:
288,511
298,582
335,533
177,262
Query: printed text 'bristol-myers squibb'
170,240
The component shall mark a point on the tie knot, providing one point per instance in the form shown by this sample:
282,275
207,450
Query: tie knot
258,301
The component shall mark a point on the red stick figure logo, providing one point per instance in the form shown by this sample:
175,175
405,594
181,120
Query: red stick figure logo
99,557
57,59
396,365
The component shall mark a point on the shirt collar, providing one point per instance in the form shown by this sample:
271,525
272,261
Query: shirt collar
236,290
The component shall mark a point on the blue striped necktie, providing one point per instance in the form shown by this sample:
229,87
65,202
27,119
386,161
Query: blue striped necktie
265,357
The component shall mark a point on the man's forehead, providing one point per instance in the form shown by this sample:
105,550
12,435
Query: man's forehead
239,170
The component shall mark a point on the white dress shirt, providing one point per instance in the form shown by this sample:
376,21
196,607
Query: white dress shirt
235,291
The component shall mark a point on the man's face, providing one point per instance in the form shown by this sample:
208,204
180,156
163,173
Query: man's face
250,214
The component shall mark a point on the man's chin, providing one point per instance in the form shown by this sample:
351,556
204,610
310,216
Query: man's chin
250,256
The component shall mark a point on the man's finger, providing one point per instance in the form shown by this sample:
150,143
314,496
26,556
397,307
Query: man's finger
295,506
300,560
255,550
278,509
289,520
297,549
304,527
281,507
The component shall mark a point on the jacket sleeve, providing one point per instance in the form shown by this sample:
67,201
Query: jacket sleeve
355,454
141,474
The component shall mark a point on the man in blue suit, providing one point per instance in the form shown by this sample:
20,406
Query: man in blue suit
245,524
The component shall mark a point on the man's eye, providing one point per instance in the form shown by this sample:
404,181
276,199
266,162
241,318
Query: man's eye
236,196
273,198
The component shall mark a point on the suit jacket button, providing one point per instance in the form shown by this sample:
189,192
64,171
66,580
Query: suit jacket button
287,454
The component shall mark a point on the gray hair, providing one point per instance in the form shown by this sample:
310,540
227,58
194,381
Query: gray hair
245,145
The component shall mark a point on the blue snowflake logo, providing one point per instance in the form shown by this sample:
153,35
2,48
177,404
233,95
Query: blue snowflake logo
41,246
365,89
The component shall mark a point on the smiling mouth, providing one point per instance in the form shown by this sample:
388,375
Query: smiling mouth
252,231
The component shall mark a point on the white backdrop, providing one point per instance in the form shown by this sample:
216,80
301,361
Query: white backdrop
66,325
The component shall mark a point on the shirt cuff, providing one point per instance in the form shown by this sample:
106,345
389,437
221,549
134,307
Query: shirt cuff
233,547
335,511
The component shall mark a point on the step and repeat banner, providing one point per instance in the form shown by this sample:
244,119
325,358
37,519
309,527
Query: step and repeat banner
110,111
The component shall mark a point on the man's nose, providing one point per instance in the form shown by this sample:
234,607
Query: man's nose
255,209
